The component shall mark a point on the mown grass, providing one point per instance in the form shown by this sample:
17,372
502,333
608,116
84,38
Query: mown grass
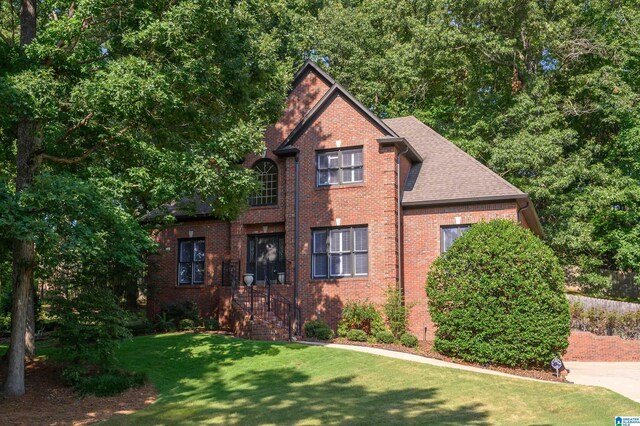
208,379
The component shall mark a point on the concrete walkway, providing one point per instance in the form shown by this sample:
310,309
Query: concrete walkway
620,377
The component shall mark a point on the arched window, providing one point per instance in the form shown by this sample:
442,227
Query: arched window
267,195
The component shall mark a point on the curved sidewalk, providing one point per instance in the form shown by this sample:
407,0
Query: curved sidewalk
420,359
620,377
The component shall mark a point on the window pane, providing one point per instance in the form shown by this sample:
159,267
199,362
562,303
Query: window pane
340,264
347,158
323,161
198,272
357,157
184,273
362,263
267,173
358,174
347,175
340,241
198,251
333,159
186,251
320,241
334,176
360,239
323,177
450,234
320,265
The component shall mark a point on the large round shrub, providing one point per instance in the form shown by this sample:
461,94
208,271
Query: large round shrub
497,295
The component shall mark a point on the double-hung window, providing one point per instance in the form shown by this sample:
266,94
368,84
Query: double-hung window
340,252
339,167
191,261
449,234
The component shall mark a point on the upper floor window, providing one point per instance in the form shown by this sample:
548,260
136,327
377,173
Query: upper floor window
191,261
267,195
339,167
340,252
449,234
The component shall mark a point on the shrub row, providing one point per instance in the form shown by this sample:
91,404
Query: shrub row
183,316
605,323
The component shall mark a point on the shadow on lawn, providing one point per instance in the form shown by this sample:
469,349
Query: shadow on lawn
281,393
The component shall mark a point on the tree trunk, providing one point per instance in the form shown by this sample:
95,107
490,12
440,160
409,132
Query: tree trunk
24,251
30,329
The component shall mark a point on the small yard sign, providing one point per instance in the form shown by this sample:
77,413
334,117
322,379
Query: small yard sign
557,365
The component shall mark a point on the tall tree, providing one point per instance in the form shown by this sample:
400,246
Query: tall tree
543,92
138,102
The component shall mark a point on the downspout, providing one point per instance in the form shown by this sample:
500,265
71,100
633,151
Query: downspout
400,283
296,247
520,209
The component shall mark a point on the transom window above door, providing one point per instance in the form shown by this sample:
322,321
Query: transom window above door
191,256
339,167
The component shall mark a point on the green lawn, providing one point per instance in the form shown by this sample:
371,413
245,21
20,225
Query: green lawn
214,379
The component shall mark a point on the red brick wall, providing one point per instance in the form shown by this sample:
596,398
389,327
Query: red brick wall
162,278
585,346
371,203
421,231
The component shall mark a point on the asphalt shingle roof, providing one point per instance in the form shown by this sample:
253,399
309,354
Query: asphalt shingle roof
447,173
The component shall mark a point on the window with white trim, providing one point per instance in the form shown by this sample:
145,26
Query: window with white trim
267,173
191,261
339,167
340,252
448,234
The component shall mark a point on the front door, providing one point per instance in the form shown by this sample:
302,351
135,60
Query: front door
265,257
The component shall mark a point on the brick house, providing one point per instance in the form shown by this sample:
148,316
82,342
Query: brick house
350,204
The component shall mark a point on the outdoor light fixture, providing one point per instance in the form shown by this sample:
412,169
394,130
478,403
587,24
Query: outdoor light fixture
248,279
281,277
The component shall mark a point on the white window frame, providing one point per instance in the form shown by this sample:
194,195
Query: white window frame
340,167
328,251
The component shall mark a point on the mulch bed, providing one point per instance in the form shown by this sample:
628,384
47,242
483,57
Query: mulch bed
47,402
426,349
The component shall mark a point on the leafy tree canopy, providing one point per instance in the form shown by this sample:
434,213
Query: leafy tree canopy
545,93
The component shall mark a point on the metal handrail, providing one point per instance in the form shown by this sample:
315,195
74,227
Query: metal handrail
260,301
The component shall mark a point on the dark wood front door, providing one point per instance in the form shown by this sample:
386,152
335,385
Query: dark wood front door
265,257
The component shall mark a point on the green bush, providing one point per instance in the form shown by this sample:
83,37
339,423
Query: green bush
139,326
103,383
211,324
385,336
603,322
186,324
357,335
409,340
90,326
360,316
185,309
163,325
497,295
318,329
397,312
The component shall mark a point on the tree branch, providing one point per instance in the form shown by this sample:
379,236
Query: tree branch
81,123
86,153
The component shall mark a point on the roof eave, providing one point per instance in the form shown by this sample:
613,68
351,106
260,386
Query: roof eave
468,200
402,144
313,112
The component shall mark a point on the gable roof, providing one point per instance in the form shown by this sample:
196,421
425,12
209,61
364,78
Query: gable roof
335,90
447,172
448,175
309,65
